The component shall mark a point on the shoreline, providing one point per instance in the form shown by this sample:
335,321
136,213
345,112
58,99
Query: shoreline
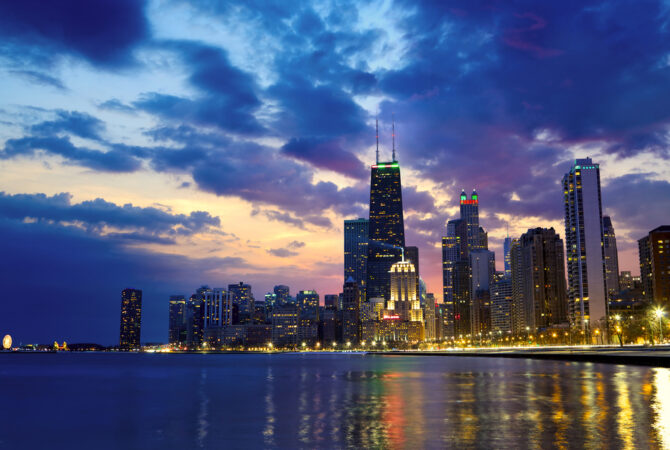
638,355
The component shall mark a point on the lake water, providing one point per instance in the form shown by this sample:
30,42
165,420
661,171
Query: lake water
112,400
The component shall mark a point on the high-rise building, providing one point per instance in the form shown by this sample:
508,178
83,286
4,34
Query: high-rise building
330,301
539,279
282,294
461,280
195,318
626,280
356,234
507,245
655,266
404,301
464,235
470,214
450,256
482,270
412,255
177,329
351,304
308,305
386,239
218,306
611,259
240,295
285,326
501,304
429,317
587,293
131,319
518,321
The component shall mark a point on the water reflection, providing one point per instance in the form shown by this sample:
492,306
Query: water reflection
662,405
309,401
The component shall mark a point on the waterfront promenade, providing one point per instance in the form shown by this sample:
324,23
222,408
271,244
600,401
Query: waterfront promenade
657,356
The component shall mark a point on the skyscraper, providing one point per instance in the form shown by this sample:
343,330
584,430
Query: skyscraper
356,233
177,329
387,231
482,269
218,308
539,279
655,266
240,295
308,305
464,235
195,318
404,301
450,256
584,244
507,245
282,294
501,304
351,304
611,259
131,319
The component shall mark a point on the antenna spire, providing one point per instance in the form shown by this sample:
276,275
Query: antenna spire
377,133
393,135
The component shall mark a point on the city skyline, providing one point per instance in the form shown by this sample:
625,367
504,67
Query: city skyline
181,155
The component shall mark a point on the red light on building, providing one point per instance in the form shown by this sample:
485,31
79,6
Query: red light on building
469,202
391,317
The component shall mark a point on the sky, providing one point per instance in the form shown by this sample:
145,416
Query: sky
163,145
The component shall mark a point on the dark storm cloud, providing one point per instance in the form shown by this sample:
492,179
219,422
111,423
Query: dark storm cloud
102,32
96,216
227,95
327,154
72,122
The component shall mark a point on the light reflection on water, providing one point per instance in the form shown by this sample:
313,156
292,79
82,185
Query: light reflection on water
321,400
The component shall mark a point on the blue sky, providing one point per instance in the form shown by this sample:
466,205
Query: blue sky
163,145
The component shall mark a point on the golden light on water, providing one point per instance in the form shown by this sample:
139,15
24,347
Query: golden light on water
7,342
661,405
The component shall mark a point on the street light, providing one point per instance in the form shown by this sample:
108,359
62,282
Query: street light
659,313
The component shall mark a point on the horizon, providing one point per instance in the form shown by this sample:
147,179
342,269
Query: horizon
167,146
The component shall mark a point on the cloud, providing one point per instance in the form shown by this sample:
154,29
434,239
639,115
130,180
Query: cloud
40,78
99,217
114,104
326,154
226,99
282,252
103,33
108,161
72,122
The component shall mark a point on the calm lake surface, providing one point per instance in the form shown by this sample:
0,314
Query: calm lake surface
326,400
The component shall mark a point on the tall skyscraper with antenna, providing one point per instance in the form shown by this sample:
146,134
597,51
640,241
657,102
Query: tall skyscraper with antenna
386,227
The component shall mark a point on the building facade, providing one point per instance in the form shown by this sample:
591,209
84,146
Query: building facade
356,233
540,277
611,259
386,239
177,327
655,266
587,292
131,319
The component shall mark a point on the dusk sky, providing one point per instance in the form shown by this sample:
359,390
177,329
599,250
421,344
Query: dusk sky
164,146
